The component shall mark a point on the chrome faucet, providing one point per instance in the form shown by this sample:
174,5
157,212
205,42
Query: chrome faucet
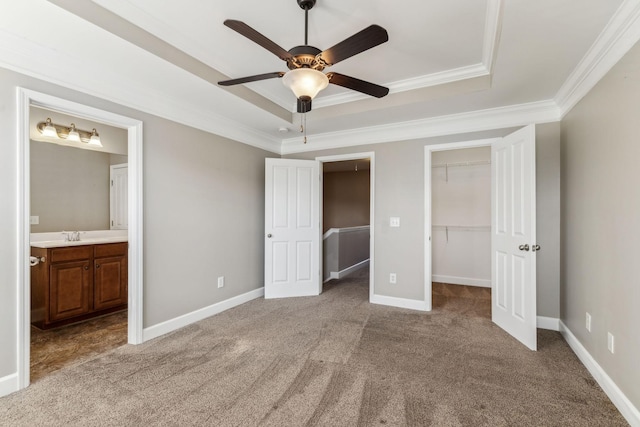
71,236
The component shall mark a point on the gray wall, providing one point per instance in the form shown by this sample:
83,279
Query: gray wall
69,188
601,222
399,191
345,199
203,217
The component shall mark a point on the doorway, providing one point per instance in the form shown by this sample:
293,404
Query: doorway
76,313
461,230
26,100
513,231
347,216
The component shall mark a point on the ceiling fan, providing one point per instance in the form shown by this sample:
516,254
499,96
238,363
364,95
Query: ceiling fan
305,77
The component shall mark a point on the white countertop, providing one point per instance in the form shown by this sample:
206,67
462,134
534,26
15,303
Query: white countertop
96,237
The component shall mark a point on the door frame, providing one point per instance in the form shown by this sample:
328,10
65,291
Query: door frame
428,257
25,99
353,156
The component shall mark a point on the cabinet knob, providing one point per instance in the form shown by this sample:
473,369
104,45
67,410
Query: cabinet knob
86,267
97,265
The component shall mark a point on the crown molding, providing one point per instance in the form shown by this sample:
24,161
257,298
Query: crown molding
434,79
492,33
620,34
25,57
474,121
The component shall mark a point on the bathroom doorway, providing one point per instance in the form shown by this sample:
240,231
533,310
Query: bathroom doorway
110,261
78,306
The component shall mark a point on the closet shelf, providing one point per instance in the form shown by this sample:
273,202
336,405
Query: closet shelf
446,166
462,227
447,228
456,164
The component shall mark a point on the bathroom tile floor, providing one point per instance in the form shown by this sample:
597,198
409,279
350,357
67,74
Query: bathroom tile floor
56,348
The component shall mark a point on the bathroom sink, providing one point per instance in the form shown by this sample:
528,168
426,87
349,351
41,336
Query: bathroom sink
56,240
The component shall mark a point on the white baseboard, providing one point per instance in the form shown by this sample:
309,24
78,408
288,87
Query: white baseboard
624,405
189,318
549,323
412,304
343,273
468,281
8,384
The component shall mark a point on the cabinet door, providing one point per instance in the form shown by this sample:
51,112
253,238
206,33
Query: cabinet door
110,282
69,292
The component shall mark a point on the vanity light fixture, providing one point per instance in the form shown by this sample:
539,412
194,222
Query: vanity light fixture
49,130
70,133
73,134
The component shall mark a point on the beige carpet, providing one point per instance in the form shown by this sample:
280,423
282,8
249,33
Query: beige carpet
333,360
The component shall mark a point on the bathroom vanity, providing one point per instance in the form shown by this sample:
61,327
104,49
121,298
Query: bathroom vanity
75,281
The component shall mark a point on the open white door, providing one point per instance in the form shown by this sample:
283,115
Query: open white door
292,228
513,242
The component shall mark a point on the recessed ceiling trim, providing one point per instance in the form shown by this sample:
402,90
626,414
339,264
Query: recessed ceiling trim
620,34
118,26
492,33
23,56
429,80
491,41
474,121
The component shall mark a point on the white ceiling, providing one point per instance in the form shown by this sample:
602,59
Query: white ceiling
443,58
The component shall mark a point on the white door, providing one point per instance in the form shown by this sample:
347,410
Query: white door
292,228
513,242
118,196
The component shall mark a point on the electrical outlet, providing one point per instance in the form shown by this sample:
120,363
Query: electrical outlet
34,220
221,282
610,342
394,221
588,322
392,278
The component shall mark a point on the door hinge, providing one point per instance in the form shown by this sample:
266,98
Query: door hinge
112,223
112,183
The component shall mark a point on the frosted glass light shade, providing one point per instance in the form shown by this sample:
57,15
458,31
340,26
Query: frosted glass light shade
73,134
95,139
49,130
305,82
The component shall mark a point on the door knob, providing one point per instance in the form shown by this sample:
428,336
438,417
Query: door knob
535,248
269,235
523,247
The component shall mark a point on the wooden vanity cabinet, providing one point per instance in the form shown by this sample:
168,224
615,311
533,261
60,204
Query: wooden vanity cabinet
78,282
111,276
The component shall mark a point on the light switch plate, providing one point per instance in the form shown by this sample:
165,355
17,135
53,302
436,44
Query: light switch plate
394,221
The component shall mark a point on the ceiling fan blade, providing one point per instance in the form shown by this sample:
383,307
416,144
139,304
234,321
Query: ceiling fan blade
366,39
255,78
358,85
258,38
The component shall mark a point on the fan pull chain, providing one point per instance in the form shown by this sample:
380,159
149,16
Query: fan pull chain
303,126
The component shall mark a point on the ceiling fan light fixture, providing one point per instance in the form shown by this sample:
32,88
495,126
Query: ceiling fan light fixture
305,82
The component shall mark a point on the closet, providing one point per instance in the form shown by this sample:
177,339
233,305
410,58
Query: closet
461,216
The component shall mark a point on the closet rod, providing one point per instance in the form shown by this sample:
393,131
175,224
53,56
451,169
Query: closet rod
450,165
464,227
